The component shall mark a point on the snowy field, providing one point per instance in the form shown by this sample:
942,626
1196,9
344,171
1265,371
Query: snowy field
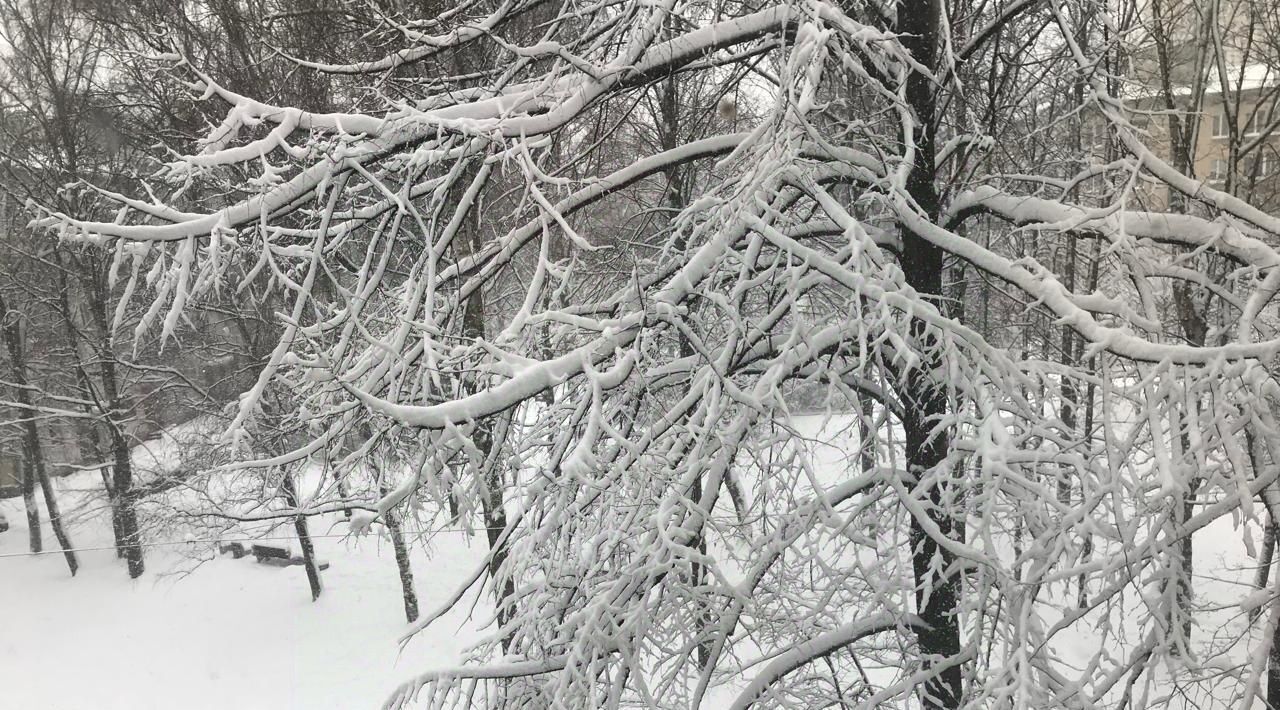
224,634
227,633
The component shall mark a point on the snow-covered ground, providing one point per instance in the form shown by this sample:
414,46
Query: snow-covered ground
230,633
227,634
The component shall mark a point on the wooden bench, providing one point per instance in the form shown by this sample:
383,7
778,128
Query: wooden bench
272,555
276,556
281,557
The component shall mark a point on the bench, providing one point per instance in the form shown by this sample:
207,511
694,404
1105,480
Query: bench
265,554
271,555
281,557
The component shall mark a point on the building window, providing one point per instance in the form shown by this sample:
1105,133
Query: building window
1093,136
1253,167
1220,124
1218,172
1258,122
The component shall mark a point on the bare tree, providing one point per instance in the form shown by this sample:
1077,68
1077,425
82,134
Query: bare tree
33,450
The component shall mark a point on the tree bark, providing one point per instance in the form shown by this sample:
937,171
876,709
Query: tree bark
1069,392
1273,672
91,437
495,520
1181,145
1264,572
407,591
33,465
1086,548
304,536
937,585
1067,387
123,499
29,502
122,502
675,200
1268,555
51,505
395,528
1195,329
488,470
1273,658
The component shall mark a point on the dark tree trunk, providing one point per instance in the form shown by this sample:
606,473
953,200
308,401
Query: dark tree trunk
866,433
488,469
125,507
118,536
1268,555
1184,594
123,498
51,505
1264,573
91,437
495,520
29,501
1086,551
675,200
937,585
1067,386
33,462
1195,328
343,490
1069,354
304,536
395,527
402,564
1273,671
1182,148
1261,581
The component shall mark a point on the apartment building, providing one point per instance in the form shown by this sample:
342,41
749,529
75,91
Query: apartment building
1185,44
1237,144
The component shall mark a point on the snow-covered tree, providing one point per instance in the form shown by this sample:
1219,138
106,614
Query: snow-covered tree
475,280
